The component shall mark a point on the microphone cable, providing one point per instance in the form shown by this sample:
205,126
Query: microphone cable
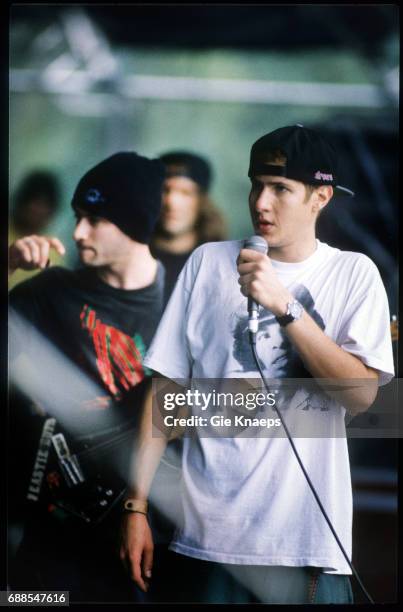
252,338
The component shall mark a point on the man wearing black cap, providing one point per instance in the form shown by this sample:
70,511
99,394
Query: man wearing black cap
253,531
188,216
84,334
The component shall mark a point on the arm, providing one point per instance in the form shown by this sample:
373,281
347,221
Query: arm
322,357
31,252
137,542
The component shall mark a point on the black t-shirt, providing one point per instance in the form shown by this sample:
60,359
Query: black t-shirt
76,350
85,342
173,264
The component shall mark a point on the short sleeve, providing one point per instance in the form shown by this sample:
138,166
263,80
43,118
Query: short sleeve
169,353
365,326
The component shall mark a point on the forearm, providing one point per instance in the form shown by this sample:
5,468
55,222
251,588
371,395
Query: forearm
324,359
147,455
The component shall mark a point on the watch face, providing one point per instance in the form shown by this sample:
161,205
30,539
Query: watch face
295,309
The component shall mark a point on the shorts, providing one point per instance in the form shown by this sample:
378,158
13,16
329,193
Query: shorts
197,581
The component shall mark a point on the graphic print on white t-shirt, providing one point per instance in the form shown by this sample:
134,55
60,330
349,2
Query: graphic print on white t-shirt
277,356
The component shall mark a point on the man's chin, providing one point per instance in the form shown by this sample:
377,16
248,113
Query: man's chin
88,259
173,231
264,235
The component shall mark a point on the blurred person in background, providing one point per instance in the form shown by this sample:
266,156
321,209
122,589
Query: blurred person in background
188,216
83,334
36,203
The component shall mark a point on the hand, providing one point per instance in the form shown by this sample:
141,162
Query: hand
137,548
31,252
259,281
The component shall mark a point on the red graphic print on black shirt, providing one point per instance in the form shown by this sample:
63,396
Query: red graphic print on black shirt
118,358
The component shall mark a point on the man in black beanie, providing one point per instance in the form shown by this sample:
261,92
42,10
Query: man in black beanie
83,335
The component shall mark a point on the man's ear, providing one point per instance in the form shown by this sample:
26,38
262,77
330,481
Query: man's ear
323,195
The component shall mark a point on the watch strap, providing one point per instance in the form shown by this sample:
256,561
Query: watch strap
135,505
285,320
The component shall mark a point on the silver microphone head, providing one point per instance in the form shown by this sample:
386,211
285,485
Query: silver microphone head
256,243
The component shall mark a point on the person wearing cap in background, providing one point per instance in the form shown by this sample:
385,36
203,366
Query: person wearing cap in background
252,529
188,216
85,333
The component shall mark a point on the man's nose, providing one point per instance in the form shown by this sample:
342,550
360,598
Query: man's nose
168,200
81,229
264,200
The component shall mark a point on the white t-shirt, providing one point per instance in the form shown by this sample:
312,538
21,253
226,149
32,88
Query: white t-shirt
246,500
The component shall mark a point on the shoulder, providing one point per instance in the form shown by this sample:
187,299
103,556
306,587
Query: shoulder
206,261
214,250
358,264
42,282
355,275
349,261
213,255
54,274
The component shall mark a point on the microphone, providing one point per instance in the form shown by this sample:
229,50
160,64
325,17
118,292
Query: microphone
255,243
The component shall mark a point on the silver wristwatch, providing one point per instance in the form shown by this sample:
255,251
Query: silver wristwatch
294,312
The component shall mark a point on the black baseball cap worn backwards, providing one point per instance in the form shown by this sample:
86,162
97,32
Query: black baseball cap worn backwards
125,189
297,153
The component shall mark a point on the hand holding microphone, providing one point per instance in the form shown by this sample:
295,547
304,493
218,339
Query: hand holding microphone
259,282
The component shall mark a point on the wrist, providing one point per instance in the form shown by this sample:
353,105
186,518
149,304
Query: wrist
279,308
135,505
294,312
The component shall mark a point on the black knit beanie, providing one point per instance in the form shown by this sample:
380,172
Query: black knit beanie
125,189
182,163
